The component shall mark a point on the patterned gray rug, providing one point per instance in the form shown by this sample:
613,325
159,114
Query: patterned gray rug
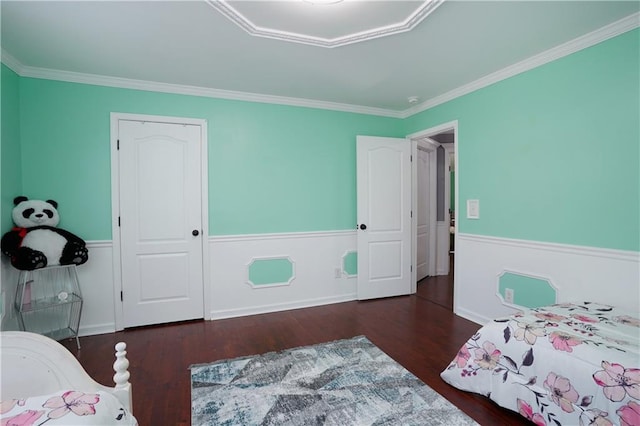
346,382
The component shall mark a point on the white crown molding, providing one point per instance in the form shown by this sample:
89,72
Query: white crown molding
152,86
612,30
590,39
245,23
621,255
11,62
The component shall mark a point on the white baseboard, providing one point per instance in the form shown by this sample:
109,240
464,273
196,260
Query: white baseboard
472,316
92,330
278,307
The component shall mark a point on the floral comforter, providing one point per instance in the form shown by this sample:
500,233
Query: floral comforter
565,364
66,408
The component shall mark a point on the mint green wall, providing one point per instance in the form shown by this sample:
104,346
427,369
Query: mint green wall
529,292
350,263
553,154
549,153
272,168
270,271
10,164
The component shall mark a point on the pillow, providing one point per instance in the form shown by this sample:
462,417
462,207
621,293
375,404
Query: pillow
66,408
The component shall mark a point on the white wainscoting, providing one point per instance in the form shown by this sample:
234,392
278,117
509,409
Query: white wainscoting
580,273
96,284
8,284
316,256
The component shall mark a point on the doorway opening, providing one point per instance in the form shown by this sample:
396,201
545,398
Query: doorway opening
435,190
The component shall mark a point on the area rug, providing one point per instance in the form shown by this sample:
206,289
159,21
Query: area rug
345,382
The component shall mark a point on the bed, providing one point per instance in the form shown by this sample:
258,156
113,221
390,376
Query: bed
42,382
565,364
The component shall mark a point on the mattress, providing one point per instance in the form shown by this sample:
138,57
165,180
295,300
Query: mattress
565,364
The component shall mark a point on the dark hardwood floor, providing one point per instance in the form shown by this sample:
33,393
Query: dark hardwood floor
438,290
418,331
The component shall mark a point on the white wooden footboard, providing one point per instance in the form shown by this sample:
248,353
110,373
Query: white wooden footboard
32,364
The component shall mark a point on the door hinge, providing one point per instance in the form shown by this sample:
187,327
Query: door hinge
118,220
118,145
121,297
411,268
411,213
411,158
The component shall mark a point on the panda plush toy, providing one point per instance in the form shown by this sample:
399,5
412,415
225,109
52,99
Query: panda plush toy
36,242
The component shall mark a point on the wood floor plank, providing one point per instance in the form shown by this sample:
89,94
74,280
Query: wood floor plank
421,334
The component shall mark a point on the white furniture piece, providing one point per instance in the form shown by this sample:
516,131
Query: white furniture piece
49,302
33,365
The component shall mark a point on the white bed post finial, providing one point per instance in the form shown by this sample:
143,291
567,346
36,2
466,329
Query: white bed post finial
121,378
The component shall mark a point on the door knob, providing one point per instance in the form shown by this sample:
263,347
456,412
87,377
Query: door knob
363,226
195,232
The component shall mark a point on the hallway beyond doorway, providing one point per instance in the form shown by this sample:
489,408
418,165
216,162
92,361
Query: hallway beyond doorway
438,289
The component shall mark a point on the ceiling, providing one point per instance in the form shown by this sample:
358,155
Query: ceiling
370,56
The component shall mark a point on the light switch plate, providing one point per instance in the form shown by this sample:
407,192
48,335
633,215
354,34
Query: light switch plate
473,209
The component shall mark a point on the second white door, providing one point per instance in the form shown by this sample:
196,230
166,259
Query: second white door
160,221
384,217
423,210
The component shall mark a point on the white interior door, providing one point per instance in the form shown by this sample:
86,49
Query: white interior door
384,217
423,210
160,222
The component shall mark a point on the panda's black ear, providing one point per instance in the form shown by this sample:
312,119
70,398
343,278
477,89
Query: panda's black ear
53,203
19,199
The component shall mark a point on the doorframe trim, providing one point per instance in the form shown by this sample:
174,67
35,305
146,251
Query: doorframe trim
449,148
115,117
423,136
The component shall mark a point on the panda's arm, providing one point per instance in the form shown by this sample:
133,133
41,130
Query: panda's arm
10,242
